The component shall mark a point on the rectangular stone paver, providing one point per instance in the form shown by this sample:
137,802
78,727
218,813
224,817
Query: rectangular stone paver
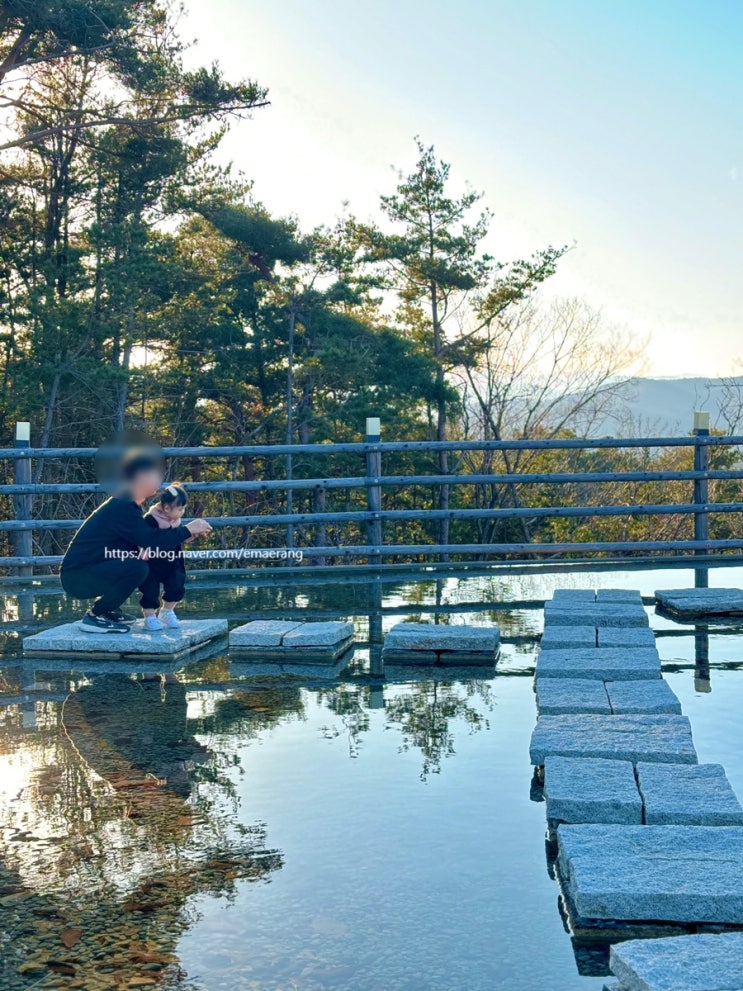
591,790
71,640
604,664
623,636
664,739
640,697
557,696
696,603
318,634
628,596
685,874
433,637
427,643
567,637
598,614
693,796
576,596
699,962
262,632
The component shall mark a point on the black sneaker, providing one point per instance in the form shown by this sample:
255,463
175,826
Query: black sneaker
101,624
117,616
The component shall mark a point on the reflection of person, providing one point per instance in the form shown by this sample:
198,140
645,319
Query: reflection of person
104,559
168,571
144,724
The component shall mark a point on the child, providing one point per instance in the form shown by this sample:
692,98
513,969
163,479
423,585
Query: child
166,570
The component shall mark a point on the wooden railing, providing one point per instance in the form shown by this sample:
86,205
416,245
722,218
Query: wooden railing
369,518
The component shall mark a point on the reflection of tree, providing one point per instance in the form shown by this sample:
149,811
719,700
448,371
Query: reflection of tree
424,712
351,704
117,814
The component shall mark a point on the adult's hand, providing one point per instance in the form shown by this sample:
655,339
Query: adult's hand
198,527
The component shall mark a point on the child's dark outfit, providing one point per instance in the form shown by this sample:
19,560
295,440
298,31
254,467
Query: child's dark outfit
168,571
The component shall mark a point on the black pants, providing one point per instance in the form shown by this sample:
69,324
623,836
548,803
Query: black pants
110,582
171,575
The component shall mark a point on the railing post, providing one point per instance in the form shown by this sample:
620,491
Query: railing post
373,488
23,504
701,495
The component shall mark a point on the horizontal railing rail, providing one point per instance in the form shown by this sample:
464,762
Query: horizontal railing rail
408,515
395,447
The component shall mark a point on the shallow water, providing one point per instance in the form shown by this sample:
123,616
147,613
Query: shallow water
202,828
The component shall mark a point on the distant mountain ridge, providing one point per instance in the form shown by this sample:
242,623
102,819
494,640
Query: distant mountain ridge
667,405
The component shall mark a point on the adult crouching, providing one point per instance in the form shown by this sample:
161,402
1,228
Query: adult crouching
104,560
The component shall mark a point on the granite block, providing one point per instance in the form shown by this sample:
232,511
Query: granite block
70,640
698,962
663,739
699,795
262,633
696,603
627,596
437,638
598,614
640,697
626,636
681,874
318,635
604,664
563,637
558,696
591,790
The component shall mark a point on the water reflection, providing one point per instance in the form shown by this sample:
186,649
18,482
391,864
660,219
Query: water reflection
112,816
123,789
135,806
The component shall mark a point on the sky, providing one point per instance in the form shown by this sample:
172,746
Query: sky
615,127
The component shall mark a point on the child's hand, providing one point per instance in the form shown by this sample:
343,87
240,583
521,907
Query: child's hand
198,527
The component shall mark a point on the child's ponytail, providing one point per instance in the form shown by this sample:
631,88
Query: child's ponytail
173,495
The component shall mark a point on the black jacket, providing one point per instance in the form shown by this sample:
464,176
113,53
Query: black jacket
163,565
118,524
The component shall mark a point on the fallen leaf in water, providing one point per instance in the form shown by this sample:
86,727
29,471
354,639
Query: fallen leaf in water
62,968
70,936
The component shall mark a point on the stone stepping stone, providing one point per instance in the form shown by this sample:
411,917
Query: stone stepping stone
318,635
603,664
71,641
681,874
562,637
633,636
558,696
640,697
598,614
661,739
627,596
591,790
428,643
280,640
698,795
576,596
262,633
699,962
697,603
